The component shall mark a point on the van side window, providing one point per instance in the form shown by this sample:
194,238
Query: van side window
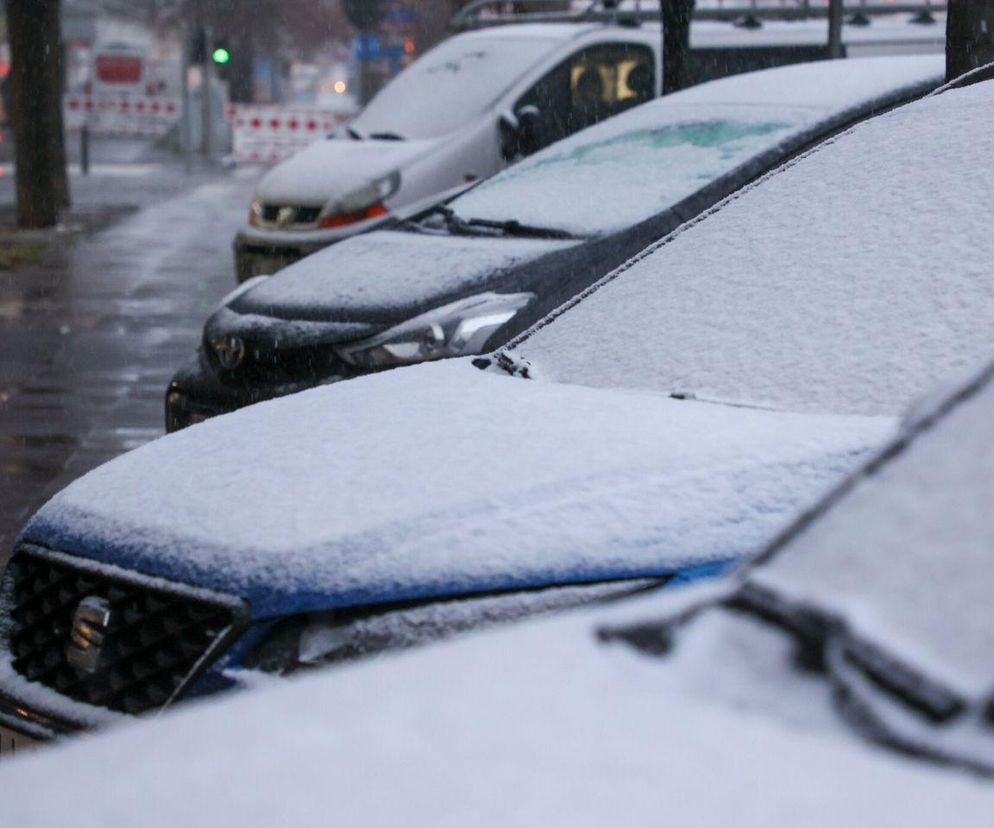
588,87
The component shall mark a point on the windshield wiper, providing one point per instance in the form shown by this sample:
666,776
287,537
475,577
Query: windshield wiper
513,227
458,225
386,136
354,133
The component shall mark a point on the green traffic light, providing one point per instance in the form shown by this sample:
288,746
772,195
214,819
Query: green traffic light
221,55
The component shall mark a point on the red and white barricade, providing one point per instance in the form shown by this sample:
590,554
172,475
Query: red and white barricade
113,114
267,134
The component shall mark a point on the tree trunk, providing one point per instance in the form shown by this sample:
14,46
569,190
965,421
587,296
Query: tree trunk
969,36
676,16
36,102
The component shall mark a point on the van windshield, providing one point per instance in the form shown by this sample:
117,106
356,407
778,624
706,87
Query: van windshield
450,85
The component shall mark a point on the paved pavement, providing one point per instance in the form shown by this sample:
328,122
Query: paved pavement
90,335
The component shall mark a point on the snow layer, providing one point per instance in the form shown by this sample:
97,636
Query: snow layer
848,281
906,558
329,170
539,725
441,479
628,168
384,270
895,31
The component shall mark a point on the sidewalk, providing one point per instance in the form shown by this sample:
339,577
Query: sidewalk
91,333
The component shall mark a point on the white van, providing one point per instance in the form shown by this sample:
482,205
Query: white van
459,113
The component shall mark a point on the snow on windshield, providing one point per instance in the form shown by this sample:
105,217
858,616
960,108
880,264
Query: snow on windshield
605,180
450,85
906,556
849,281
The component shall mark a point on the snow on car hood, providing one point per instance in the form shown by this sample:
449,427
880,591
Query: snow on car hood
336,167
382,272
441,479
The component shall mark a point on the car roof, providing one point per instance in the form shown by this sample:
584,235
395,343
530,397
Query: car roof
848,280
550,31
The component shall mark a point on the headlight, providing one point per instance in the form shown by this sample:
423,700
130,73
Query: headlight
362,204
456,329
255,213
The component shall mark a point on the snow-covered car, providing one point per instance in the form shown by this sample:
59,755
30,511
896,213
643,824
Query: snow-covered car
770,356
467,276
845,680
459,113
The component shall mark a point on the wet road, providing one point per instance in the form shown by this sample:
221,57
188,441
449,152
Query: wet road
90,335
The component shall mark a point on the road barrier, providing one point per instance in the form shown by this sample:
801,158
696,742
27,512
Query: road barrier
120,115
267,134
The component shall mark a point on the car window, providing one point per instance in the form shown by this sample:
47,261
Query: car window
450,85
624,171
590,86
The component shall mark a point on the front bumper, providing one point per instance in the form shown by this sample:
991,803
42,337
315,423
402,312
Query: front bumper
32,724
195,394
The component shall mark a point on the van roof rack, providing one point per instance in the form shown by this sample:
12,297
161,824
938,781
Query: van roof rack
479,14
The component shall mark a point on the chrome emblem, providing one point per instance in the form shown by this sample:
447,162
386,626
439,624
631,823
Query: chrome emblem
230,351
89,632
286,216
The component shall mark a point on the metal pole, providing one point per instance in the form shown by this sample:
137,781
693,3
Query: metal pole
207,92
186,128
84,148
835,28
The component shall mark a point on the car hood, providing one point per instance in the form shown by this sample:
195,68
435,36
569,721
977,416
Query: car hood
441,480
335,167
388,275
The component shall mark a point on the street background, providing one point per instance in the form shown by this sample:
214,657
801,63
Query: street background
102,312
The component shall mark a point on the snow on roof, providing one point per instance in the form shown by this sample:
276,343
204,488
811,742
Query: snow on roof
550,31
439,480
847,281
884,30
535,725
906,556
828,84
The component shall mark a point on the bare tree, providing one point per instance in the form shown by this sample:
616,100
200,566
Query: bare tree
676,16
34,32
969,36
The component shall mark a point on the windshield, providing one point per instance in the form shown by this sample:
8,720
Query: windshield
450,85
905,557
831,286
616,174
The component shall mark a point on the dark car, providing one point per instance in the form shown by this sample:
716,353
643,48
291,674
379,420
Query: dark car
467,275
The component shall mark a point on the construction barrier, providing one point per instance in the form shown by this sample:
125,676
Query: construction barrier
111,114
267,134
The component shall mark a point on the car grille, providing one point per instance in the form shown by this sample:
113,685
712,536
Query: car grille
159,637
300,215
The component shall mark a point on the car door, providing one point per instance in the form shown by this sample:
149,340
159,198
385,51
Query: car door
589,86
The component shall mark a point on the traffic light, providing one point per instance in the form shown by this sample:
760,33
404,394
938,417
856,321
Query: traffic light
221,54
222,57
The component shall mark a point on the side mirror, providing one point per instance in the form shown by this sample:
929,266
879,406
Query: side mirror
520,132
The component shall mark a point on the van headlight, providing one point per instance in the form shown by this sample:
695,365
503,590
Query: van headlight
456,329
362,204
